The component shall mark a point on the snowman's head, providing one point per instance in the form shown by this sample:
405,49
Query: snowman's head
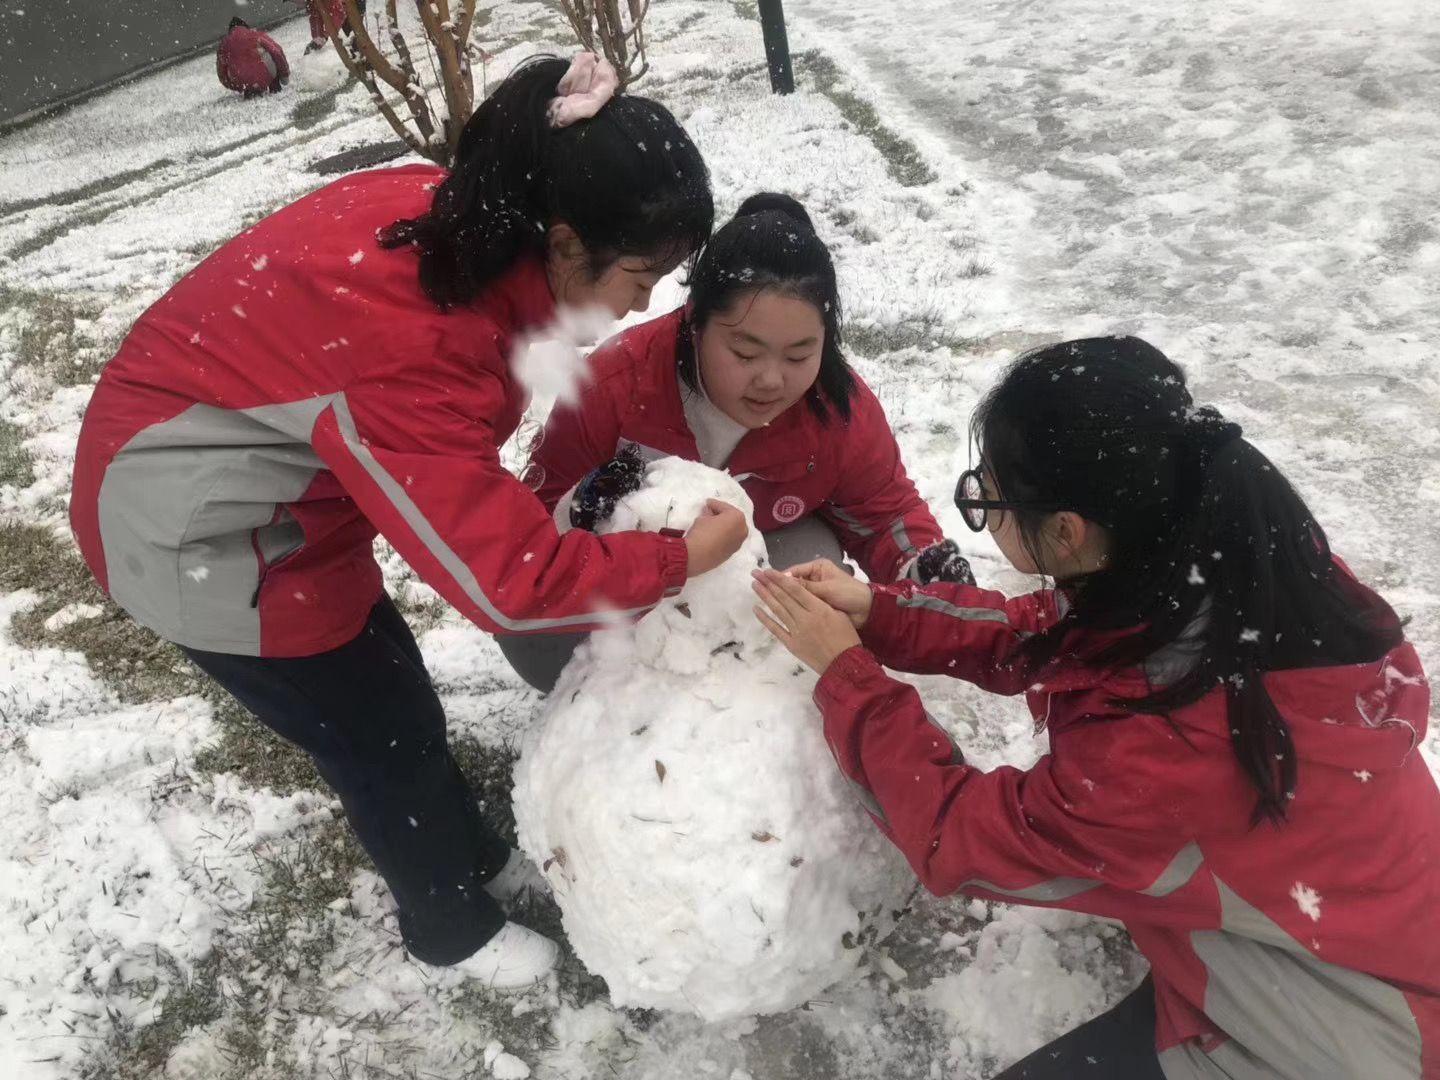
672,495
716,605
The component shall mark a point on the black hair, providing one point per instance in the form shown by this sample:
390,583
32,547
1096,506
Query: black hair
237,21
1216,567
629,182
770,244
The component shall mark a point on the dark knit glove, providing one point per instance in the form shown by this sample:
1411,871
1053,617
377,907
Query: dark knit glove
596,495
943,562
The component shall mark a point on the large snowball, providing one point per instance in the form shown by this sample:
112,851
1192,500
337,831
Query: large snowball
678,794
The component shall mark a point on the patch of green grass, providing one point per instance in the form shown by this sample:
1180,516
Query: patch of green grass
490,771
138,665
106,185
16,466
190,1001
919,333
289,935
301,882
49,340
253,752
689,22
903,159
423,610
976,267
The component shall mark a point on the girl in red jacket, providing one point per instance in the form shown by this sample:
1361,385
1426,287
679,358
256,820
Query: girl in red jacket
250,62
749,376
1233,721
342,368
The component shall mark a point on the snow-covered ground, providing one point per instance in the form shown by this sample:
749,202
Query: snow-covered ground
1248,183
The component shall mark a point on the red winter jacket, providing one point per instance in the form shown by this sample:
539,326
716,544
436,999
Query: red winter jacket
849,473
1307,950
249,61
295,394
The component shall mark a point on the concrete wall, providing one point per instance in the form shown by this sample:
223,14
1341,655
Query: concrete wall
51,50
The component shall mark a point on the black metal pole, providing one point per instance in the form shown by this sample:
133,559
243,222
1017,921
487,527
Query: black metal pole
777,46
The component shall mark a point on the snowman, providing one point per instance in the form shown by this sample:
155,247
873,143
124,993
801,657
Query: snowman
678,795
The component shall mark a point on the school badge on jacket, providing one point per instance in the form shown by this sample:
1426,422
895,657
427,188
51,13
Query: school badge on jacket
788,508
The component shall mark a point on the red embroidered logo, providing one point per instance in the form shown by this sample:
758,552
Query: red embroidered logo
788,508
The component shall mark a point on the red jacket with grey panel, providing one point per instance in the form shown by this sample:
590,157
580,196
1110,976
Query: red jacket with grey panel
1305,950
297,393
850,473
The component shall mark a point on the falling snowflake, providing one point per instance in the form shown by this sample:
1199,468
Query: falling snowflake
260,263
1307,899
200,573
1364,775
1196,578
355,259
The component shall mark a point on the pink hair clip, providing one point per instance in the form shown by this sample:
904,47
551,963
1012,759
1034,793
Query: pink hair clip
584,90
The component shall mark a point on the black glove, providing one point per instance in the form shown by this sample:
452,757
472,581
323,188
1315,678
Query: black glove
596,495
943,562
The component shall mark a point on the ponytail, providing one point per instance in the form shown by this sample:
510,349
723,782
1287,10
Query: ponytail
1217,567
629,182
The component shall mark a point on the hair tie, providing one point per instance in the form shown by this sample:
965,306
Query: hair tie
1209,431
584,90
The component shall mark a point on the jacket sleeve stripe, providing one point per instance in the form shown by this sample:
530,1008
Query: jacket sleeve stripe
944,607
1061,888
901,537
439,549
850,521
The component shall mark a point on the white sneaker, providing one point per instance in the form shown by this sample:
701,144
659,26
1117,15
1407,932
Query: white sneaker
513,959
518,874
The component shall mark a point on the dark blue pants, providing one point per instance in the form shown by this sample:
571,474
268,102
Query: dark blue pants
1117,1045
368,716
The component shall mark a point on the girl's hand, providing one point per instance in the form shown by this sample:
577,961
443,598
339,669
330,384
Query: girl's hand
837,588
811,629
716,535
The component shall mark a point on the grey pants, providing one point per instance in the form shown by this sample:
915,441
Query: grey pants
539,658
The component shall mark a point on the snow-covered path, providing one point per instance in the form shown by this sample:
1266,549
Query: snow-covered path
1249,183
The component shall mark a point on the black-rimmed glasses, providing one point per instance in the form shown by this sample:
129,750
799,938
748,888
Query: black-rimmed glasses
974,507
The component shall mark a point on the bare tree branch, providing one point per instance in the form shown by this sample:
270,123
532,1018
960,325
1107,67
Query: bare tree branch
602,28
414,94
447,26
367,78
455,79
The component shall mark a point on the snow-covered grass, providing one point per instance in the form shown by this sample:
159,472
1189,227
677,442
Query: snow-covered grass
1247,183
